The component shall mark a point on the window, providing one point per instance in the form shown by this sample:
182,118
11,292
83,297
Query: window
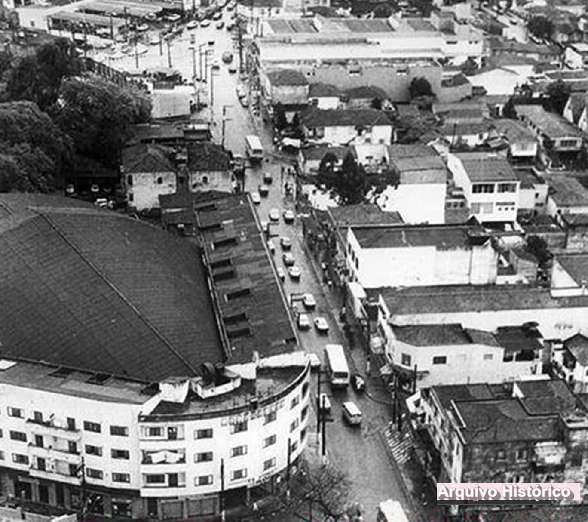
94,473
294,425
302,435
405,359
507,187
131,197
488,356
17,458
41,464
440,359
295,402
203,480
269,464
71,424
130,180
155,479
521,454
159,180
566,144
119,454
93,450
15,412
154,432
475,207
269,441
305,387
205,180
303,413
74,471
38,416
92,426
500,454
18,435
119,431
39,442
508,357
72,446
203,434
237,451
240,427
121,477
205,456
293,446
239,474
483,188
270,417
122,508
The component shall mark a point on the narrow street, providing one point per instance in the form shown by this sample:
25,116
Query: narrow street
360,452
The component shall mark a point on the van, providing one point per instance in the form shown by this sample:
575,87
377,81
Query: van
351,413
253,148
391,511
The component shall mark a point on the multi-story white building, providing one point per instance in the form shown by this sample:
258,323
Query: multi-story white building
113,398
420,255
489,184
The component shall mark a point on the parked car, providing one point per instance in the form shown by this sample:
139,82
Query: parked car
289,216
227,57
256,198
240,91
285,243
154,39
324,403
358,383
315,362
173,17
320,323
205,23
309,302
265,226
281,274
216,65
142,28
288,259
192,24
267,177
210,43
351,413
303,322
271,246
244,102
263,191
220,25
218,15
294,272
232,69
274,214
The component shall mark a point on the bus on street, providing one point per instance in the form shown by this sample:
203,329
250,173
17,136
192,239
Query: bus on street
337,367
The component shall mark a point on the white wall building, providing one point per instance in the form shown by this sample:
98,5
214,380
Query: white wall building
490,186
576,55
436,255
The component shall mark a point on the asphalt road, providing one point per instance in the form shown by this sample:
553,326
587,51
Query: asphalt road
359,452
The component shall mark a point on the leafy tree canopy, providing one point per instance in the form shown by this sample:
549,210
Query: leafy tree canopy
541,27
349,183
557,93
419,87
38,77
97,114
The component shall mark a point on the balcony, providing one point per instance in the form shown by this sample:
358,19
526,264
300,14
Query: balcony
164,457
52,453
50,429
58,476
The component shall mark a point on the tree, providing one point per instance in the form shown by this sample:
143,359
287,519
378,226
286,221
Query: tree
538,247
541,27
383,11
38,77
469,67
420,87
97,114
509,109
349,184
557,94
376,104
36,153
280,120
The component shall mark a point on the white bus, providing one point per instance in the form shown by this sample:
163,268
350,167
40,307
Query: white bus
391,511
254,148
337,365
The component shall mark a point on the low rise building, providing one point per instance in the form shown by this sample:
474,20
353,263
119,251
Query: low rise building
324,96
522,142
576,231
365,97
285,87
347,126
555,133
309,158
437,255
422,177
575,110
209,168
533,191
110,389
434,354
529,431
576,55
569,275
570,360
489,183
147,172
566,196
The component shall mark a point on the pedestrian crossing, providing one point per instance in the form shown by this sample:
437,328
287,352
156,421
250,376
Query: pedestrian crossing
400,444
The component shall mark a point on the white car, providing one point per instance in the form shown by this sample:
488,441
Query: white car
205,23
289,216
265,226
154,40
288,259
216,65
285,243
193,24
315,362
274,214
271,247
303,322
320,323
220,25
142,28
294,273
256,198
240,92
324,403
281,273
309,302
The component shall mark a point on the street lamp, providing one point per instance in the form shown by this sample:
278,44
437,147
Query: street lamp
213,73
225,119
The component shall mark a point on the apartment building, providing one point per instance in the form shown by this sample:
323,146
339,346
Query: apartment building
113,399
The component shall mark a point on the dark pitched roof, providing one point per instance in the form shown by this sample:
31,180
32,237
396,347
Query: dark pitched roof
411,151
146,158
318,152
547,396
432,334
285,77
567,191
577,102
205,156
440,236
344,117
461,392
362,214
578,347
576,265
366,92
92,289
515,338
326,90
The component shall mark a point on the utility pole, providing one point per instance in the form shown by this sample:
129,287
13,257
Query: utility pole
318,404
193,49
136,53
222,491
324,428
288,463
161,43
240,43
169,59
200,53
225,119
